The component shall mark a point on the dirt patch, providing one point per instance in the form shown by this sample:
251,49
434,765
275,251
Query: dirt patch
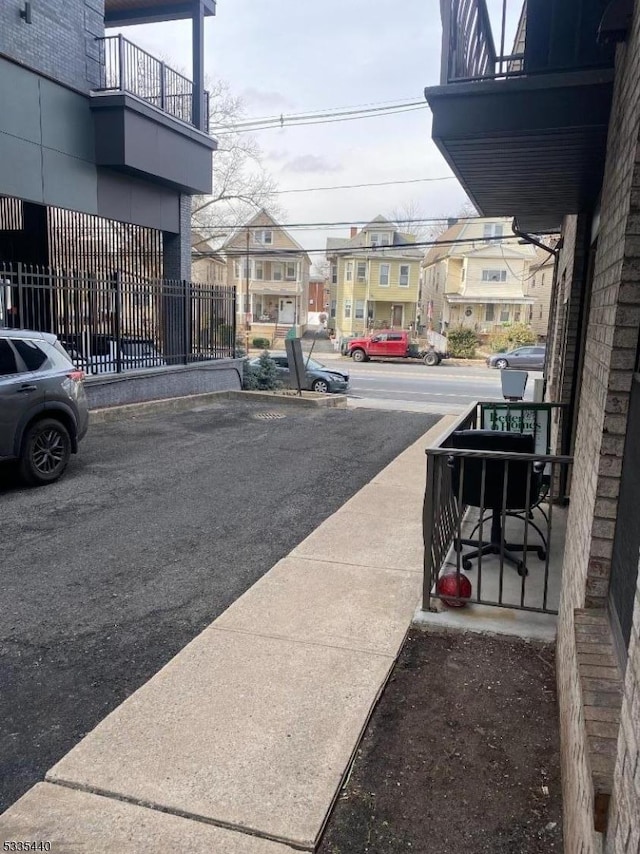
461,755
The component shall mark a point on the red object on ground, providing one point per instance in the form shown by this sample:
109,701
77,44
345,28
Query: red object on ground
452,584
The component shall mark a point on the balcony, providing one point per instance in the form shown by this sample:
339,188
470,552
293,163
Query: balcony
148,119
524,130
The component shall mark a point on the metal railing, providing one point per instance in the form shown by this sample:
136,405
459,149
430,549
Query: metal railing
117,323
486,499
125,67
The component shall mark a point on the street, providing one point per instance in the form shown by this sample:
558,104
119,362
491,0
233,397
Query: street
160,523
413,386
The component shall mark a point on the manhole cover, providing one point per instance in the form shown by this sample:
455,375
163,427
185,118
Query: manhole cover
269,416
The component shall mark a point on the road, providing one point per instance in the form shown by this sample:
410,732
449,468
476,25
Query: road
160,523
415,387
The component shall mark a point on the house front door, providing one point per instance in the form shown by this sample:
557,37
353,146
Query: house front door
286,312
396,316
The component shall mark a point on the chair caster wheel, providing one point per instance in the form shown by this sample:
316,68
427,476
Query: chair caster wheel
522,569
467,565
542,555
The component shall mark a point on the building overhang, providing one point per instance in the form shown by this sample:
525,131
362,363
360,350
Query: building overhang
532,147
122,13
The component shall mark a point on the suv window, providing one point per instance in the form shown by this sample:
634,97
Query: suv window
394,336
30,353
7,359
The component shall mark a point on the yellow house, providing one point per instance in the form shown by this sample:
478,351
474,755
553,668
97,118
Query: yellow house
479,282
539,286
375,279
271,273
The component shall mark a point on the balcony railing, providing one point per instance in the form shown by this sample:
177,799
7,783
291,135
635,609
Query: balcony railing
471,496
565,40
127,68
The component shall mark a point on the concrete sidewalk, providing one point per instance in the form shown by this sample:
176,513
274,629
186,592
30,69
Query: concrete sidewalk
239,745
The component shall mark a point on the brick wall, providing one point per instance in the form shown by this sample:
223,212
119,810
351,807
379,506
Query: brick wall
177,247
612,339
60,41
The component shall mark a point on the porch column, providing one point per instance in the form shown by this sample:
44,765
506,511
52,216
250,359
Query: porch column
198,111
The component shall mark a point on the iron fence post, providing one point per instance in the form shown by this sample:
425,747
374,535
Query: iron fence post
163,87
427,532
118,319
187,321
234,321
20,282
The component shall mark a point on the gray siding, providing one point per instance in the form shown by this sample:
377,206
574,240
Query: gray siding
60,41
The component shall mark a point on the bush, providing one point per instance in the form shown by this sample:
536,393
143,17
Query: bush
261,343
462,343
510,337
261,377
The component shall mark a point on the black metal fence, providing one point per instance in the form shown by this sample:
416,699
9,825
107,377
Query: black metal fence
128,68
488,517
117,323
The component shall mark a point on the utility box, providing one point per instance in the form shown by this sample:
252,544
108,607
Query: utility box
514,384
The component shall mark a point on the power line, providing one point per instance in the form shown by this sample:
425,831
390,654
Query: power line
394,102
376,184
334,224
350,250
320,121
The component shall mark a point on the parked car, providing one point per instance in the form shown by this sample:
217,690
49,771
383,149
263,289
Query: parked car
318,376
531,358
43,405
392,344
98,354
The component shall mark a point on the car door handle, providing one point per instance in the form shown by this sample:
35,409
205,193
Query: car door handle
24,388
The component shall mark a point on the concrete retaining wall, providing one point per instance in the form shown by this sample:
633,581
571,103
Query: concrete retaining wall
162,383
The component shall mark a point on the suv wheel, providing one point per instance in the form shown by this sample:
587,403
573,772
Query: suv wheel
45,451
358,355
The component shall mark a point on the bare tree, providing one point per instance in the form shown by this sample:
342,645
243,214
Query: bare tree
434,231
241,185
407,217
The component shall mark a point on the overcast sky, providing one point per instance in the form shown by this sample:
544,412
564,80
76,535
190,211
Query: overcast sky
292,56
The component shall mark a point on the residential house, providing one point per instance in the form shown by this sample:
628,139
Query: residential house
375,276
479,282
319,298
271,273
556,144
208,264
539,286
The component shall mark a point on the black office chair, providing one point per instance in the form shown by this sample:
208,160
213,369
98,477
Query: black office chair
493,498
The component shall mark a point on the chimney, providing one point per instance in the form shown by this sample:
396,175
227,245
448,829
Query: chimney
354,230
451,221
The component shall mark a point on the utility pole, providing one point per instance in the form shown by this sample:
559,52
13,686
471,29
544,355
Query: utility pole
247,313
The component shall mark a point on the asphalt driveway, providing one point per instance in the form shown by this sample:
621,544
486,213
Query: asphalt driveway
159,525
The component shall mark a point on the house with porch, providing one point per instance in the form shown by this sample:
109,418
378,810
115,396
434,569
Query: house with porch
480,282
548,135
270,270
375,275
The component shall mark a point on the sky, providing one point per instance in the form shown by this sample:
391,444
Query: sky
293,56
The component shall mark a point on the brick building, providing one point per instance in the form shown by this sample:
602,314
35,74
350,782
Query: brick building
555,144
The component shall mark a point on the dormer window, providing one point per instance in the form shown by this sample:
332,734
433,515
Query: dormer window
380,238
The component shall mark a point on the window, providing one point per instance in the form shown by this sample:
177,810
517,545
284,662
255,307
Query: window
276,271
380,238
516,315
347,309
290,271
334,274
349,271
333,308
404,275
258,270
7,359
31,354
384,275
393,336
494,275
504,315
489,313
241,268
492,229
263,236
359,309
361,272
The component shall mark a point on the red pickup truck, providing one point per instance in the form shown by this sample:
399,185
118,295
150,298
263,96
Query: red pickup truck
397,345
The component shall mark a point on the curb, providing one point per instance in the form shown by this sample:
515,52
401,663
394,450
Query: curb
107,414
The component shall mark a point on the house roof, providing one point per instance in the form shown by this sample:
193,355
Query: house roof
271,223
442,249
359,241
